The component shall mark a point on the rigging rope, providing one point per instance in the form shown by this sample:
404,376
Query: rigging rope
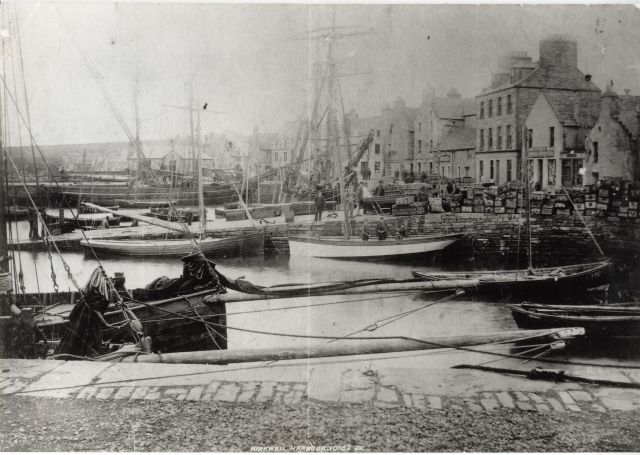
576,211
393,318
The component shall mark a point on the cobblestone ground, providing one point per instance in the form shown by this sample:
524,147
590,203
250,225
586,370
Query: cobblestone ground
53,424
356,387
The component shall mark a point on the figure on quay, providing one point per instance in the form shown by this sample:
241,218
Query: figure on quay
319,203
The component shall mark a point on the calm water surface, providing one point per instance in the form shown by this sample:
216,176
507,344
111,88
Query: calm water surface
325,315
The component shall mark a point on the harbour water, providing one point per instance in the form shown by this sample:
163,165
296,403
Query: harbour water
317,316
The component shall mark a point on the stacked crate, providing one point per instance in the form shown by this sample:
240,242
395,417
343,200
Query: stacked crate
406,205
478,199
562,205
602,204
535,200
590,200
511,202
499,203
456,202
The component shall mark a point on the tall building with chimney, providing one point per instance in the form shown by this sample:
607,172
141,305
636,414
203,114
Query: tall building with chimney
504,106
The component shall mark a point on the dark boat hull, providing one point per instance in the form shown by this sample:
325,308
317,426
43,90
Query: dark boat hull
572,285
608,322
173,324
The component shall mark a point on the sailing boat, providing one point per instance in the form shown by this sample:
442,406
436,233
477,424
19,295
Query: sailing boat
347,247
249,243
539,283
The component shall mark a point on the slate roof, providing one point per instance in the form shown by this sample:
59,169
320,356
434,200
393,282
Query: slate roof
458,139
550,77
573,108
629,111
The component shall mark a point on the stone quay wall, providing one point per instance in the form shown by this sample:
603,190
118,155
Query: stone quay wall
500,240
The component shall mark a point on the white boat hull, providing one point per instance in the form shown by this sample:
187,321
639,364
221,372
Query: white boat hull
338,248
177,247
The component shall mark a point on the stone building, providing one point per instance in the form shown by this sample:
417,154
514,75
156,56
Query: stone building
439,117
613,143
392,150
455,153
503,106
557,125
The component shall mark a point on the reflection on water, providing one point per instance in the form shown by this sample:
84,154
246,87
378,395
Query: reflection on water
324,315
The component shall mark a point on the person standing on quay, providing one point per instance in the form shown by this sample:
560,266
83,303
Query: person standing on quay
319,202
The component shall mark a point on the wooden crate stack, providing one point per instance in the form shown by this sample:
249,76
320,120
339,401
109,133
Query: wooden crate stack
406,205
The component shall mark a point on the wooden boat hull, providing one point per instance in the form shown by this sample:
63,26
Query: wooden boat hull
71,224
567,281
598,321
166,216
360,249
132,204
245,244
162,320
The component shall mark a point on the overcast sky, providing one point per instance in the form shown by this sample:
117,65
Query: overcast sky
249,64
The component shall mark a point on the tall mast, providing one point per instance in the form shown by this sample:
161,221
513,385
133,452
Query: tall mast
333,149
136,108
4,247
194,164
525,177
203,212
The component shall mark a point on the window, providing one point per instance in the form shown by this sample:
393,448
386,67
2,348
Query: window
430,167
430,144
497,172
552,132
419,146
481,139
481,170
466,171
285,156
508,136
441,170
530,139
275,157
419,166
448,170
490,108
499,138
459,171
595,152
499,106
491,169
509,171
377,148
376,167
490,138
377,133
419,127
481,109
509,105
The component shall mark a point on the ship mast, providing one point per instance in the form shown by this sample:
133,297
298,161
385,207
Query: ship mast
525,177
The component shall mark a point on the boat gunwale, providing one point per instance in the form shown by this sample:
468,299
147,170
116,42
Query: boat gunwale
585,269
566,317
413,239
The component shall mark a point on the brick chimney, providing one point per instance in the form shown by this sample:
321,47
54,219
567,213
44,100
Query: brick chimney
558,51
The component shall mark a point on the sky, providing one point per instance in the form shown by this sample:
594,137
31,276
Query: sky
86,65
